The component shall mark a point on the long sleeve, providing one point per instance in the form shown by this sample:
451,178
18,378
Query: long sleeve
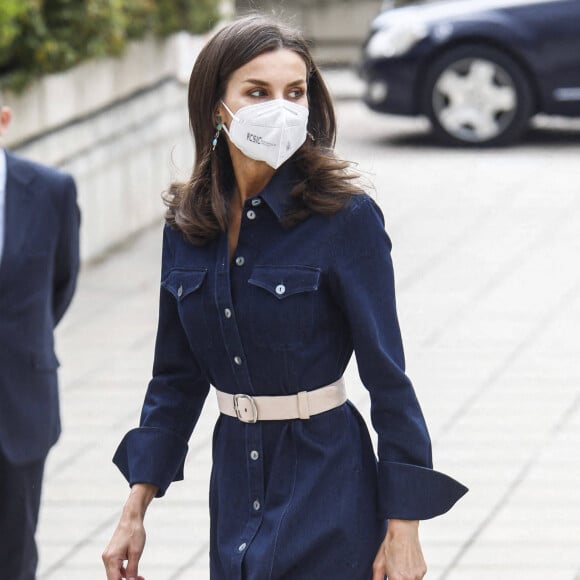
155,452
363,280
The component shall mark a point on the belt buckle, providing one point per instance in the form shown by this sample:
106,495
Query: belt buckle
245,408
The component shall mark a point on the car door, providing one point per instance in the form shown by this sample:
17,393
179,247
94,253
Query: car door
555,27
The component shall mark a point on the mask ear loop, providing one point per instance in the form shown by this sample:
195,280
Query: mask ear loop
231,115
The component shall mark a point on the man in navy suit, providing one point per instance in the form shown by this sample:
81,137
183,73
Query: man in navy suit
39,263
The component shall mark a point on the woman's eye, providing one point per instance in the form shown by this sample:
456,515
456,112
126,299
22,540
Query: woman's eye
296,93
257,93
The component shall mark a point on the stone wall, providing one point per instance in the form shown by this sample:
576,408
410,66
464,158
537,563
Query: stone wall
120,126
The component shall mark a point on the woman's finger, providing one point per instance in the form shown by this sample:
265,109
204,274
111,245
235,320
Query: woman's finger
379,569
132,565
113,567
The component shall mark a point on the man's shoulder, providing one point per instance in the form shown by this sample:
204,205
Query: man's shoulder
28,170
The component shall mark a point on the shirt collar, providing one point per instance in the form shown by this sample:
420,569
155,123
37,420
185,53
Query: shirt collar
277,192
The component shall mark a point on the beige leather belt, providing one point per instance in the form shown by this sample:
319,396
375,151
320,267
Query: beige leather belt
303,405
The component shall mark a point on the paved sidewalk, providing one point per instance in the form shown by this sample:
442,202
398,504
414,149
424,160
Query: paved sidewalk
489,299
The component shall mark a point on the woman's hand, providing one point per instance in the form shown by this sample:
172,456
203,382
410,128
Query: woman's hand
128,539
400,556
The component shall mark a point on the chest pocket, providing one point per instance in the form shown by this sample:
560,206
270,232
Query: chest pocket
189,288
283,304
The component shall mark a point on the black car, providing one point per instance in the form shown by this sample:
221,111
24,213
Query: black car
479,69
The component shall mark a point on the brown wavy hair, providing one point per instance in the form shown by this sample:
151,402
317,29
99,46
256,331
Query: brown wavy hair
199,206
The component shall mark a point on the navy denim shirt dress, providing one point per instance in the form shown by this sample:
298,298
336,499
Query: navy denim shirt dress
299,499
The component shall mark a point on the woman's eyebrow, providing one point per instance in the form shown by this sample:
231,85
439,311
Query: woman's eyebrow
257,82
262,83
297,82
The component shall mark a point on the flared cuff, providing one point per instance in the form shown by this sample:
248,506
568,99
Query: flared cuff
151,455
410,492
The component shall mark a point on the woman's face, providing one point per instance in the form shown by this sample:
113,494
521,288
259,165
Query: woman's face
278,74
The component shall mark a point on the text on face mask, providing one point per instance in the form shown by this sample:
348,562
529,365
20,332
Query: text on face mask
258,140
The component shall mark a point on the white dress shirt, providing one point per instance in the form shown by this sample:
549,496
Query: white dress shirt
2,199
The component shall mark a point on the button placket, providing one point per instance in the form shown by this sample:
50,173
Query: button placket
230,335
256,477
255,490
230,280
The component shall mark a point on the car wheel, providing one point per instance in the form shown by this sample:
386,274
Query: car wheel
477,95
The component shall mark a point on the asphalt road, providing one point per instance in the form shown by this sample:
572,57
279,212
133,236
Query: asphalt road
485,246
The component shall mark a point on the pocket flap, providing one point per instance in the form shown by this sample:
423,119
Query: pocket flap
182,283
284,281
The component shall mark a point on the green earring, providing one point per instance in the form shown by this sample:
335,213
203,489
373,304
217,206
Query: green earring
219,126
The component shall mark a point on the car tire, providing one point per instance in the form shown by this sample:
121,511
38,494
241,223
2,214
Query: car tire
476,95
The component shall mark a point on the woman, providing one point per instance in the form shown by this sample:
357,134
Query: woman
275,267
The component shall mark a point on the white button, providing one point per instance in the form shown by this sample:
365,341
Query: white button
228,313
180,291
242,547
240,260
238,360
256,505
280,289
251,214
254,455
256,202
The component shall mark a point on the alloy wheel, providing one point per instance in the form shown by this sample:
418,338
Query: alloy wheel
474,100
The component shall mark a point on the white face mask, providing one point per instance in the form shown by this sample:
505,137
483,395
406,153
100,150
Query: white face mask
271,131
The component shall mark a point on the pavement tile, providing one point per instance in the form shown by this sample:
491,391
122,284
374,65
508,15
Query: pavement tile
499,572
